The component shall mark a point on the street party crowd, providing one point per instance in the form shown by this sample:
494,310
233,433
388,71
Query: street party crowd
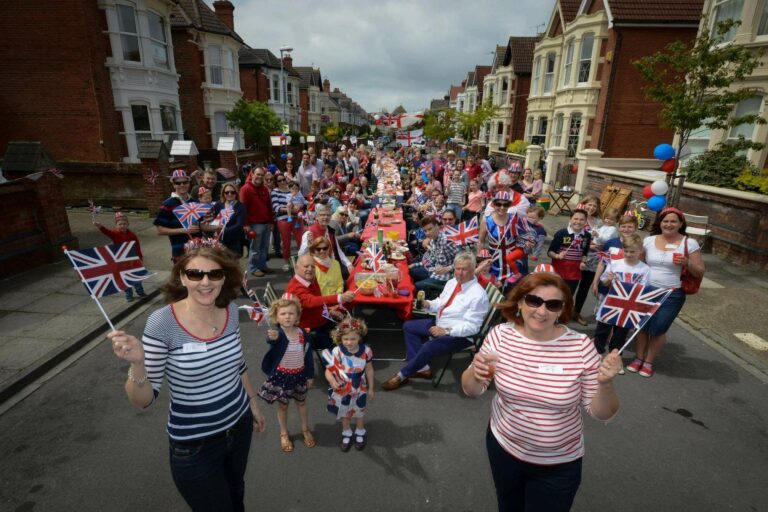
430,235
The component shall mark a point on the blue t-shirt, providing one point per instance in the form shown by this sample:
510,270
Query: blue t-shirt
610,244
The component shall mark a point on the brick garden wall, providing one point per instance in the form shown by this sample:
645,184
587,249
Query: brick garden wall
738,220
35,224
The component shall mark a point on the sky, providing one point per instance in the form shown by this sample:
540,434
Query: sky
385,53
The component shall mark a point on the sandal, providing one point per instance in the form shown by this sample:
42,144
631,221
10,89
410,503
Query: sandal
309,439
285,443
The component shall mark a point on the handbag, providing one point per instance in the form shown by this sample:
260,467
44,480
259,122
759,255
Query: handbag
688,282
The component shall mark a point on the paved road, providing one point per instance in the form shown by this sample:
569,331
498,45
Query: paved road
695,437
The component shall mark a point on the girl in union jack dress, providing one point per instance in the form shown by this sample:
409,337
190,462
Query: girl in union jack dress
349,371
508,235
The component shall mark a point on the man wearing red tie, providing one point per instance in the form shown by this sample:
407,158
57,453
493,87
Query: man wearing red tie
460,310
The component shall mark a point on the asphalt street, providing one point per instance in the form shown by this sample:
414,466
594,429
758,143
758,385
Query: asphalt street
694,437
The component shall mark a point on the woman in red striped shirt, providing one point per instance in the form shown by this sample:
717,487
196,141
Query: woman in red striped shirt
543,372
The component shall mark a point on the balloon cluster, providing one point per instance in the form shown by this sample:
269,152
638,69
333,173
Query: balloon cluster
655,192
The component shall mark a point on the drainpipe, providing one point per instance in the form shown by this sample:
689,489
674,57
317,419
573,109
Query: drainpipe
614,65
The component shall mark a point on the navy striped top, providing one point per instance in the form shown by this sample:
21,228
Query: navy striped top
207,395
279,200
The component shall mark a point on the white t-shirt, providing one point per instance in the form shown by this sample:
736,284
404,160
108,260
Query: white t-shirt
664,272
637,273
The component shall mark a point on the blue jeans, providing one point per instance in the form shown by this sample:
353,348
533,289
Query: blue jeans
422,281
257,260
139,291
209,472
420,349
522,486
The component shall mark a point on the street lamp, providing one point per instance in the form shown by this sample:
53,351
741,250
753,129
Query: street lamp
284,49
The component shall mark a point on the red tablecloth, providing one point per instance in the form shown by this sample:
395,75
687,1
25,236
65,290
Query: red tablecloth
372,226
403,305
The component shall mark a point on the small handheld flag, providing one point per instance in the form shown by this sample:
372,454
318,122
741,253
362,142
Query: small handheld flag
255,310
464,234
630,305
189,214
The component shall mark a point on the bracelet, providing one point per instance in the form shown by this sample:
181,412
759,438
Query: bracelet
134,379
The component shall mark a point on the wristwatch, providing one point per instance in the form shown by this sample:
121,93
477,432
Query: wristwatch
447,330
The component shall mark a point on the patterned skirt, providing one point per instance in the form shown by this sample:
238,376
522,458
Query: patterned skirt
282,387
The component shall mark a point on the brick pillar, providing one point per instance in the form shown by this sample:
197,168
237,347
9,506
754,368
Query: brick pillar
49,197
157,192
555,158
532,157
227,160
587,158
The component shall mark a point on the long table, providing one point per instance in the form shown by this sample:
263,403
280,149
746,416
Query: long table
403,305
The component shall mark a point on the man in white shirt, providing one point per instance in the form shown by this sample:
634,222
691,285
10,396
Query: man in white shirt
460,311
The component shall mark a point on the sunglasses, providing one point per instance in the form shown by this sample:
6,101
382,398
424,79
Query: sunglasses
181,182
322,248
535,302
280,180
230,193
194,274
501,204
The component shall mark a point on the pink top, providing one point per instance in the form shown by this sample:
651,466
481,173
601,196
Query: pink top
540,385
475,201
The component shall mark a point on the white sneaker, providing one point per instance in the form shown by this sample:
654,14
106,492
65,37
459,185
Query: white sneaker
621,370
286,267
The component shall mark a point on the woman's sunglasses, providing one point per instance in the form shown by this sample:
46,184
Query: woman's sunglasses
535,302
194,274
230,193
324,248
502,204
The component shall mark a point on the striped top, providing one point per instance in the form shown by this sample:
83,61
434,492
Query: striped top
456,193
279,200
207,395
293,359
539,386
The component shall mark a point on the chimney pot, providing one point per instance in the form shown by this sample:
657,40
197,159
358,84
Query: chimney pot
224,11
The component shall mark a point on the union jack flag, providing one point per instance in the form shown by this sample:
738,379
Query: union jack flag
190,213
337,369
374,256
109,269
630,305
464,234
255,310
614,253
95,210
223,217
151,178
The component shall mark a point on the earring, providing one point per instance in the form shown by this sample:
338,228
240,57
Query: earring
519,314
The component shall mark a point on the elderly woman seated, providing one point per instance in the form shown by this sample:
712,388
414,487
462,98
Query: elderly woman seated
348,238
327,269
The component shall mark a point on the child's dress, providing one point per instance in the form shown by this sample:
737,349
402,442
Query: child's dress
288,363
350,401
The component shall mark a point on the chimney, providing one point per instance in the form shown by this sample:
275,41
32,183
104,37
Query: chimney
336,90
224,10
288,61
326,85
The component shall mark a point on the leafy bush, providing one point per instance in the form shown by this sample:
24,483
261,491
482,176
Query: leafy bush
753,181
518,147
719,167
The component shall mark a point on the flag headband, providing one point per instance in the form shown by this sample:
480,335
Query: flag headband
199,243
544,267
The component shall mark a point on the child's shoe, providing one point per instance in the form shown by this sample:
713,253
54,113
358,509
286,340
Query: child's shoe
646,370
635,366
346,442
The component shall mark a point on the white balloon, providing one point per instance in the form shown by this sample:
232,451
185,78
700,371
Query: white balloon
659,188
377,117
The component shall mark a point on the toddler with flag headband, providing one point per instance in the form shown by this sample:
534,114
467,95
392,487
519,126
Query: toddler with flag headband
289,367
122,234
349,371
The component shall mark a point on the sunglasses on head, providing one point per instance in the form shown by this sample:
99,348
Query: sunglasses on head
535,302
194,274
502,204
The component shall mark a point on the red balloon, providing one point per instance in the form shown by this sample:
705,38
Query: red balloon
647,192
252,233
669,165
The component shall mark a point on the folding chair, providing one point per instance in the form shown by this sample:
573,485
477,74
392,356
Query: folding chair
697,226
270,295
491,318
293,263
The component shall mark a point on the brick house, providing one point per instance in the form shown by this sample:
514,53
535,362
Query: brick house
508,85
310,89
260,75
206,49
93,80
585,92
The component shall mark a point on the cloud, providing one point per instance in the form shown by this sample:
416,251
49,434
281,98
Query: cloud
389,52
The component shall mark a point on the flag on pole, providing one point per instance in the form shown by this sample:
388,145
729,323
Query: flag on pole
190,214
255,310
109,269
222,218
408,138
630,305
374,256
464,234
95,210
337,370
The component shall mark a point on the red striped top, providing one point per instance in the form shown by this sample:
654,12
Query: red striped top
293,359
539,386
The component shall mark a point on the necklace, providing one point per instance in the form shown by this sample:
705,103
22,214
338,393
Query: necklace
214,328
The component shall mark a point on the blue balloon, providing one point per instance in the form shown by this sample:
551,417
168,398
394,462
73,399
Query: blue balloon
283,156
664,152
656,203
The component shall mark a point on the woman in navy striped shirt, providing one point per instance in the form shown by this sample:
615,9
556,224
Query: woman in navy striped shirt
194,343
544,373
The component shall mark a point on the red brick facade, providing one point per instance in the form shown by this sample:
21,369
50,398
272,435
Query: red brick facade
624,115
190,64
55,87
304,109
254,84
519,88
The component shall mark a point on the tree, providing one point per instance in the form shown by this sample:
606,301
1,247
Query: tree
440,125
693,85
330,132
376,133
256,119
469,124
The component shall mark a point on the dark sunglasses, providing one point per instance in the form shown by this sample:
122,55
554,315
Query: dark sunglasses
324,248
502,204
194,274
230,192
181,182
535,302
280,179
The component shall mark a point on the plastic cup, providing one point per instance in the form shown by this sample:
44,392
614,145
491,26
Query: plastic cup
677,258
491,359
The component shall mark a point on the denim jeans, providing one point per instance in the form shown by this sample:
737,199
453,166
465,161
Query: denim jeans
257,259
524,487
139,291
209,472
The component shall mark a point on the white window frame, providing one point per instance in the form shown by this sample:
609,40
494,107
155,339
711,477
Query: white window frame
274,88
574,138
142,134
529,129
753,105
313,102
229,67
124,34
289,92
549,73
173,133
160,45
717,8
568,61
218,132
536,73
585,61
557,131
215,75
762,24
